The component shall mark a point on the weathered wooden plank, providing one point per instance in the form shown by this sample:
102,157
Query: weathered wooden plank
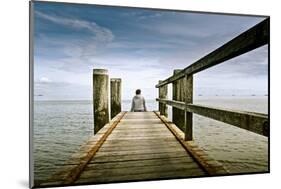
141,163
163,92
173,103
141,117
251,121
135,121
173,174
140,124
112,148
140,114
188,98
139,121
153,126
133,140
178,115
131,146
107,158
139,139
140,132
140,128
255,122
152,142
140,151
251,39
132,170
211,166
153,130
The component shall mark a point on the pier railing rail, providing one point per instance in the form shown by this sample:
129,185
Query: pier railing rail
182,82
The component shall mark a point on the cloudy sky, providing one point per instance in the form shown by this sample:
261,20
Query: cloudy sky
141,46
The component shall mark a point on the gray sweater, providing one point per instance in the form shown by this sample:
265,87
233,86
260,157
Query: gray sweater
138,103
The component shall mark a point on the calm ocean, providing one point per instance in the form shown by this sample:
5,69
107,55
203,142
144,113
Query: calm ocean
60,127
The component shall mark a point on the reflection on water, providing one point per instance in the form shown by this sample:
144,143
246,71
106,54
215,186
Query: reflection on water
60,127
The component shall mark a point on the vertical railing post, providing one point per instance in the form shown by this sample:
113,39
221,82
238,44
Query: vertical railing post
100,98
178,94
115,96
163,92
188,95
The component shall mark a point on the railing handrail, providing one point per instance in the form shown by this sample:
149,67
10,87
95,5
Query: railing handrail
181,106
251,121
249,40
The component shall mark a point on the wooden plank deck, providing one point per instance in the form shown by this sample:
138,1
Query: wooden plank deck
135,146
140,148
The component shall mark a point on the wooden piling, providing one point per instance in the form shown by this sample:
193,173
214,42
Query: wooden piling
100,98
188,97
178,95
163,92
183,91
115,96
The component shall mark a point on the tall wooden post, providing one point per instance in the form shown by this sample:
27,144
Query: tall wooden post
163,92
183,92
100,98
178,95
188,95
115,96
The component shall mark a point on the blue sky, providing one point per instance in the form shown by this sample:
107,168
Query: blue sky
141,46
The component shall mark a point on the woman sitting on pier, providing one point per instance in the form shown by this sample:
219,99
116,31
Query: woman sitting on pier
138,102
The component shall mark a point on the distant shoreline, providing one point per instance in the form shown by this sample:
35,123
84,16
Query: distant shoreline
150,100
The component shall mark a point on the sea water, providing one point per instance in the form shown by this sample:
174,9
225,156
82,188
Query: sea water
60,127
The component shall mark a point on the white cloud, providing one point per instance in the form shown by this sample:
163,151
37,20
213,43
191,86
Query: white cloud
44,80
150,16
98,37
100,33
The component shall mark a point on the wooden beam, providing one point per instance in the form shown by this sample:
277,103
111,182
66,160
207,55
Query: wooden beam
115,96
251,39
188,97
173,103
255,122
163,92
178,115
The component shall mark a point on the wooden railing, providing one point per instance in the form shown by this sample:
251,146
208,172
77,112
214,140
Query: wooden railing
182,81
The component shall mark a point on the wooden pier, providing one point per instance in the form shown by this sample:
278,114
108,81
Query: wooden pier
137,146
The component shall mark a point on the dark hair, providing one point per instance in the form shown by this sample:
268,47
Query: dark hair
138,91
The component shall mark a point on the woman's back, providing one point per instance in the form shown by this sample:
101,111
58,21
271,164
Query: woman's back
138,103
